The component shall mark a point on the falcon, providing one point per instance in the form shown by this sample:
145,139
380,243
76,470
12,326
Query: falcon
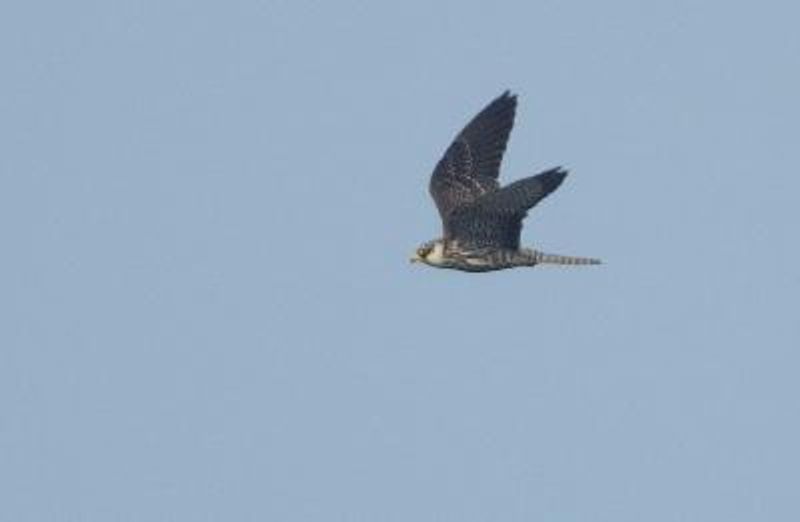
481,220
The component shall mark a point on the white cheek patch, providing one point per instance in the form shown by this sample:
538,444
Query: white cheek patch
436,256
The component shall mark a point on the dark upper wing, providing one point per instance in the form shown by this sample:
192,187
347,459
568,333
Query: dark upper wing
495,219
471,164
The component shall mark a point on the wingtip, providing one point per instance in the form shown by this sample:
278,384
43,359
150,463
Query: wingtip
552,178
558,173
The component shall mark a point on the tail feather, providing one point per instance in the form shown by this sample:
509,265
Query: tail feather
557,259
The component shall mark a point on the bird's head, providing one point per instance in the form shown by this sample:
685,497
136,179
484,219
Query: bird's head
430,253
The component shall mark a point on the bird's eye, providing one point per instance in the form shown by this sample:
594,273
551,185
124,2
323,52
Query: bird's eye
421,252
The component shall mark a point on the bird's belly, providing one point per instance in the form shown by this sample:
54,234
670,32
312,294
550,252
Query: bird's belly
484,261
478,262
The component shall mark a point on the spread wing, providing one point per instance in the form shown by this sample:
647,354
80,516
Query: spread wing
470,167
495,219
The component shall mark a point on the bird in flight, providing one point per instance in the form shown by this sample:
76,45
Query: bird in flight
481,220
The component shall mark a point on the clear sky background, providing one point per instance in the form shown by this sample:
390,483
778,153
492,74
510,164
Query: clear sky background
206,211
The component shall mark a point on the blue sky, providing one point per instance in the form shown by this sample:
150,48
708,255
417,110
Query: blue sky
207,310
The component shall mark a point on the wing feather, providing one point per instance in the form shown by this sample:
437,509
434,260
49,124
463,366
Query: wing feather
471,164
495,219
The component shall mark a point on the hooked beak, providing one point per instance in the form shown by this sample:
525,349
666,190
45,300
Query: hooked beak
414,259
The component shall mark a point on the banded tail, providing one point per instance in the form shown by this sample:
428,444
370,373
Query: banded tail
556,259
